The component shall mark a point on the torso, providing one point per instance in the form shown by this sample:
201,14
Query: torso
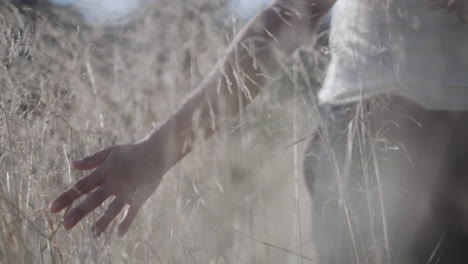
398,47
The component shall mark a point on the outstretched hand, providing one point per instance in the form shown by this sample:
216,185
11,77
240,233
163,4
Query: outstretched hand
125,172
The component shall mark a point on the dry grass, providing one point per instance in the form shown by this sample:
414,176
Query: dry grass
67,89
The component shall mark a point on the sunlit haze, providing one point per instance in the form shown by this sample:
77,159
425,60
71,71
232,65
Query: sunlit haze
114,11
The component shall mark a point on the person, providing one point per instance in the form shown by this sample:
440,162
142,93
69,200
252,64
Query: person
386,167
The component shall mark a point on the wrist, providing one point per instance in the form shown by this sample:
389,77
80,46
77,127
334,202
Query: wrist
164,145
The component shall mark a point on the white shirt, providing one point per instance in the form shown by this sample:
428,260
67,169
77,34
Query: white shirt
403,47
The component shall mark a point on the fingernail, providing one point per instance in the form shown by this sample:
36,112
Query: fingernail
55,206
68,222
76,162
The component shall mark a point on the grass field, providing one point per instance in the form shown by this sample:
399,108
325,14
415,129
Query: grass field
68,89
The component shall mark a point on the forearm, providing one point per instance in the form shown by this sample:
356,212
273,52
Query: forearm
236,80
132,172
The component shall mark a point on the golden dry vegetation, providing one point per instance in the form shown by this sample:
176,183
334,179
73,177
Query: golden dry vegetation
68,89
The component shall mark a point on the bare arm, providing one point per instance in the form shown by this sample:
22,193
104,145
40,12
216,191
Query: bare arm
236,80
132,172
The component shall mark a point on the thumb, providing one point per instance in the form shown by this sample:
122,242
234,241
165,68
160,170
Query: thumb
92,161
130,215
132,211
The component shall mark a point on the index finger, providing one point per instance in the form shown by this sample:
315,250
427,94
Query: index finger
92,161
83,186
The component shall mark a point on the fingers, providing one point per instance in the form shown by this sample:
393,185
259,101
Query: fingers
130,215
83,186
93,161
112,211
89,204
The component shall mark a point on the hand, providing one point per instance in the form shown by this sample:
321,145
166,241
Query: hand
125,172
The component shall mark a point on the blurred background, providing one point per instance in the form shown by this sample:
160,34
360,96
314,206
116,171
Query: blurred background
77,76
